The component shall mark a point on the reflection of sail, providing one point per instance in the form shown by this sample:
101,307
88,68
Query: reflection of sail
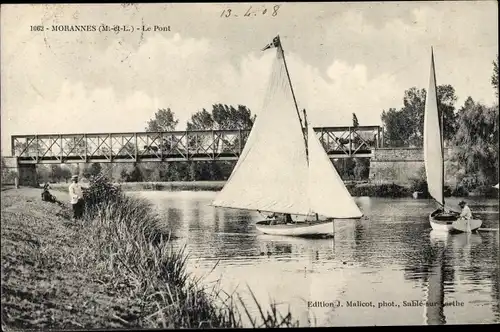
434,306
441,242
439,237
465,240
275,244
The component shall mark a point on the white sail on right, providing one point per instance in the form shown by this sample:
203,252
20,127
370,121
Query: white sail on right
328,195
433,143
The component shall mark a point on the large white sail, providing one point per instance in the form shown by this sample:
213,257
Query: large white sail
271,173
433,143
328,195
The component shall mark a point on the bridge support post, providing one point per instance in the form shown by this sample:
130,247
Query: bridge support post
20,174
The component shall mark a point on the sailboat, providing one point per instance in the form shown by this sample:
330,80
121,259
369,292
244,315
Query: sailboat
284,170
443,218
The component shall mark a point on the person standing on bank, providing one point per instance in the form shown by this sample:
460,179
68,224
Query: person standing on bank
76,197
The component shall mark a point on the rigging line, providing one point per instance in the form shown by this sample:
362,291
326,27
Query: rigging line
304,134
410,63
280,49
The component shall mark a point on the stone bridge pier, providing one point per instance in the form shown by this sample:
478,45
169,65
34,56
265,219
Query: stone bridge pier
397,165
25,174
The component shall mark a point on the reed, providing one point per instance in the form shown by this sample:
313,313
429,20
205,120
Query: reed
134,258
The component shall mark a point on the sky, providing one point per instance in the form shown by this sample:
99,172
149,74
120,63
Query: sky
343,58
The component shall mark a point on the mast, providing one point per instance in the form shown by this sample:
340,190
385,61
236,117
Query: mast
305,135
280,47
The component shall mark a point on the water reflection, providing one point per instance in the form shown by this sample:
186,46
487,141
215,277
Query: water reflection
455,257
434,299
391,255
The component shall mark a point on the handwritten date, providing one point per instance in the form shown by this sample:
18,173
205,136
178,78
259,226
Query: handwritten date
251,12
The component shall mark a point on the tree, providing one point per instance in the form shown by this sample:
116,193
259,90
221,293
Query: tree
475,146
95,169
42,173
494,76
123,175
201,120
136,175
406,126
33,148
164,120
86,171
361,168
395,131
8,175
59,173
345,168
222,117
76,146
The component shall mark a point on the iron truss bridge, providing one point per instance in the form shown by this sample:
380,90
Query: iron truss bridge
196,145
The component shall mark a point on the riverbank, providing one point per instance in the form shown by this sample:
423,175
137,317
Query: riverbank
43,284
356,188
100,273
167,186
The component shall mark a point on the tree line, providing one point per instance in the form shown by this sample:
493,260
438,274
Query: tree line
471,132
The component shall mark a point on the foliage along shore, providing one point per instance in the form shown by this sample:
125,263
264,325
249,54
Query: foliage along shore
112,270
356,188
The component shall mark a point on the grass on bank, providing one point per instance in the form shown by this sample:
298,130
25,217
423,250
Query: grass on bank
130,255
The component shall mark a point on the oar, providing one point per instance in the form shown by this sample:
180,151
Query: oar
487,229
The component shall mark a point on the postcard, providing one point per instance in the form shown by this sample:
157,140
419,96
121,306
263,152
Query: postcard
259,164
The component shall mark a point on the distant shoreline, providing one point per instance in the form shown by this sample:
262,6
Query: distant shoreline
356,188
159,186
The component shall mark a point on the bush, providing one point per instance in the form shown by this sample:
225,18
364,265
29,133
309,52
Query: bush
379,190
132,252
135,259
460,191
420,185
447,192
99,194
486,191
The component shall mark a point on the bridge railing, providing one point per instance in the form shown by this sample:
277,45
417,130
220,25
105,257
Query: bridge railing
174,145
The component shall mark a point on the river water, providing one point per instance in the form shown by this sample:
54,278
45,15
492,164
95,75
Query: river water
389,268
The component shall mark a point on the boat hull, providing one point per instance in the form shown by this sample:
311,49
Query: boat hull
461,225
452,223
302,229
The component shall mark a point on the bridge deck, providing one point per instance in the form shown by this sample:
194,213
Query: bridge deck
339,142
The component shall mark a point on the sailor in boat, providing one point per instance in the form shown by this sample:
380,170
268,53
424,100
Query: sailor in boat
282,218
466,212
